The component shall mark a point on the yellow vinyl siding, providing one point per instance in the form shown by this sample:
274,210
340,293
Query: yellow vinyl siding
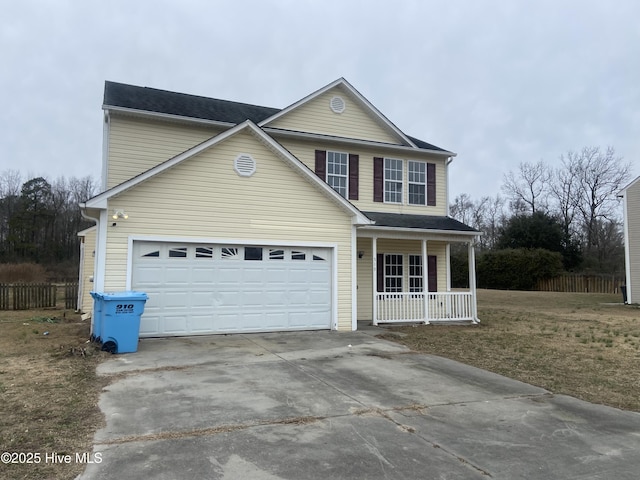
203,197
87,267
136,145
633,227
316,116
397,246
305,152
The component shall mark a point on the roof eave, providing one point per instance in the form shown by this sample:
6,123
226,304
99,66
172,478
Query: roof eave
165,116
354,141
423,230
624,189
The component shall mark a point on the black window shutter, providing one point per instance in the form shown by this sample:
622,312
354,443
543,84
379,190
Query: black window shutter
321,164
354,172
378,179
432,274
431,184
380,272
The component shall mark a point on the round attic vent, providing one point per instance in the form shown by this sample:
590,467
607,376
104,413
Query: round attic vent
337,105
244,165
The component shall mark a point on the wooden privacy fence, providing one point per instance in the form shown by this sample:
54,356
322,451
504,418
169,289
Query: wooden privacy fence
582,283
36,295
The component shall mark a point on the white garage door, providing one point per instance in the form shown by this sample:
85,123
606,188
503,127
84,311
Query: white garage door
202,288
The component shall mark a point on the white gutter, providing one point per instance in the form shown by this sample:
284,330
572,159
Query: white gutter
166,116
101,242
105,150
277,132
627,250
446,173
420,231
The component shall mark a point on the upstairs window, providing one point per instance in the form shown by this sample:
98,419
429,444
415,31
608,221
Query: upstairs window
340,170
417,183
388,180
393,173
337,172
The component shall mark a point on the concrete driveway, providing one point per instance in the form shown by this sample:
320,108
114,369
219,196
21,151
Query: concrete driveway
328,405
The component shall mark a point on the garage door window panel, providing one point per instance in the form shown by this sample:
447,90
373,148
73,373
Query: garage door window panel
295,255
230,253
204,252
252,253
178,252
276,254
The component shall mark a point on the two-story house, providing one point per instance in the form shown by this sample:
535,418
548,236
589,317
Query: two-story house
630,200
240,218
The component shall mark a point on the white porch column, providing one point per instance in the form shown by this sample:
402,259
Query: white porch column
374,283
447,257
472,279
425,280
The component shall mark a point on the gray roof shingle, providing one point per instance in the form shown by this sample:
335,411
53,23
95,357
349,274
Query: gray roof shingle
162,101
425,222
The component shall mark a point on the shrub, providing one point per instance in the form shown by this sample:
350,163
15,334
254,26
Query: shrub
516,269
22,273
66,271
459,266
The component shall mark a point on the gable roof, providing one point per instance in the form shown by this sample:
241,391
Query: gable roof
422,222
356,96
121,96
627,187
100,201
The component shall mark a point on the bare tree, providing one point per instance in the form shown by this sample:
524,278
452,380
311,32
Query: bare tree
486,215
82,189
494,219
10,184
565,191
527,188
39,220
601,176
461,209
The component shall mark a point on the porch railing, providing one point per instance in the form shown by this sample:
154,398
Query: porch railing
410,307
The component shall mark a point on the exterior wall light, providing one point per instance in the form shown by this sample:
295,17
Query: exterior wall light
119,214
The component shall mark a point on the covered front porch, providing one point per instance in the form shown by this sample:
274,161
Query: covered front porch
396,263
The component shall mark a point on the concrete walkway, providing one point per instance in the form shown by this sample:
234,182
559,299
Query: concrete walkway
328,405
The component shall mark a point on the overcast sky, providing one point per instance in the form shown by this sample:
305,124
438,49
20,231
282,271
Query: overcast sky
497,82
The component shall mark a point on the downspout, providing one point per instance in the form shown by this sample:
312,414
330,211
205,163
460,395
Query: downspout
96,220
105,149
472,279
627,250
446,172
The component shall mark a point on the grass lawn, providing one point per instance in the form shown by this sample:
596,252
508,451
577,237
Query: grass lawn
584,345
48,390
578,344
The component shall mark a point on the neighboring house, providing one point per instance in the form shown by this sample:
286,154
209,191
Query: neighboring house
631,200
240,218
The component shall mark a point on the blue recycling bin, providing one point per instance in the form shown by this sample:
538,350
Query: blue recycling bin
120,324
96,318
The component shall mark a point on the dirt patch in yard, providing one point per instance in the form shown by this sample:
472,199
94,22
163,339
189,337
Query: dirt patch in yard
583,345
48,393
